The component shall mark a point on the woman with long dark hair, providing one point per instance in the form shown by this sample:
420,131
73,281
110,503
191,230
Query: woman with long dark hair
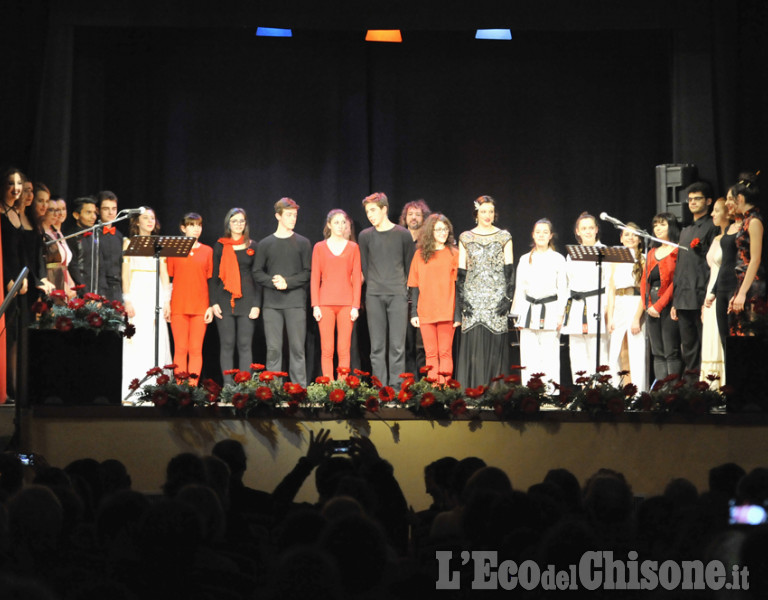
335,286
235,296
750,271
432,284
11,242
540,295
656,290
139,283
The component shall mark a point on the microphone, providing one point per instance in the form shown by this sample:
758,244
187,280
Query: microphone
606,217
129,212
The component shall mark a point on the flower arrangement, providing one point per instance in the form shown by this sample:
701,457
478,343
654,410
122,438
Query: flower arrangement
173,391
507,396
675,394
597,394
351,395
259,392
430,398
264,393
91,312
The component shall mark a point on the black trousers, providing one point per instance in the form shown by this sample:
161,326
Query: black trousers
234,331
665,344
689,324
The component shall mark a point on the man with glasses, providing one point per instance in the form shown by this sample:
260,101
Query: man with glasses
692,274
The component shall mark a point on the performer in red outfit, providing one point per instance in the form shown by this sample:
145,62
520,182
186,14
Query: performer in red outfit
190,312
432,283
656,290
335,289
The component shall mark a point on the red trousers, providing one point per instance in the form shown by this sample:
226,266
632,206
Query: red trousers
188,334
335,319
438,347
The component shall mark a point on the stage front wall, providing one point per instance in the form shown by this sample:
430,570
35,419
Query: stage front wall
649,454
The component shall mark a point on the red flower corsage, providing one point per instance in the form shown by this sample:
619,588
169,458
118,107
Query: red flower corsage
695,242
250,252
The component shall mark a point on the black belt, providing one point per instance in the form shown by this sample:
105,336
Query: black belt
543,302
581,296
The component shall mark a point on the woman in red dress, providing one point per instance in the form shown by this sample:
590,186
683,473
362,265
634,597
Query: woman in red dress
190,310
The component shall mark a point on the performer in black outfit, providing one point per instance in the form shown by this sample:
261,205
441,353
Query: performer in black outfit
386,251
412,217
86,271
110,248
692,275
234,295
282,268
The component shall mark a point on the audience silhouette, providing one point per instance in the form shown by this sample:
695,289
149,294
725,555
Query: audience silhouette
80,532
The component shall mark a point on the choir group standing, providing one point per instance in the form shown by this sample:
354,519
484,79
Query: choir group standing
684,294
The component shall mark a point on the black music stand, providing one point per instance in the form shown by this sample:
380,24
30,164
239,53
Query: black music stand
157,246
600,254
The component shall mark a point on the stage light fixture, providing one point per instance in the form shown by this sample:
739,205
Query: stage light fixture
273,32
493,34
383,35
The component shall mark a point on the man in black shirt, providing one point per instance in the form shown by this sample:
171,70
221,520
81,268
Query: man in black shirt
110,248
386,251
692,274
84,260
412,218
282,268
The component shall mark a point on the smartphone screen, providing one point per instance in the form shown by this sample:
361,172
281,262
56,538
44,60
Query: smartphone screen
748,514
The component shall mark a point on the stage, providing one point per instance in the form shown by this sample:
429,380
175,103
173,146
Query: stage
650,450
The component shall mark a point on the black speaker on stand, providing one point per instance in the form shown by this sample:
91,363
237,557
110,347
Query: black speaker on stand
671,181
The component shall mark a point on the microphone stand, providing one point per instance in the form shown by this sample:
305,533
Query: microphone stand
96,230
642,233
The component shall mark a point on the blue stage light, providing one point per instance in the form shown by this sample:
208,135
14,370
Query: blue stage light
273,32
493,34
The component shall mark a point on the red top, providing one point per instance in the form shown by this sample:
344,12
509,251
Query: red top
336,280
436,281
666,274
190,281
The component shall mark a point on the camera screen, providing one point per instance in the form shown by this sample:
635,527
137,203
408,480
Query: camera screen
341,447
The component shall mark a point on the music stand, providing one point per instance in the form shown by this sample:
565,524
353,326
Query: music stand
600,254
157,246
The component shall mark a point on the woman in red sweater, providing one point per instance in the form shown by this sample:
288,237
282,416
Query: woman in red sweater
335,289
432,283
190,311
656,290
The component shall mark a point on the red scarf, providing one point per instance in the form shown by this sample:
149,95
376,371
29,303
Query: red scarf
229,270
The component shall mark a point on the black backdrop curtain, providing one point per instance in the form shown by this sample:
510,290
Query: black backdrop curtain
550,125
